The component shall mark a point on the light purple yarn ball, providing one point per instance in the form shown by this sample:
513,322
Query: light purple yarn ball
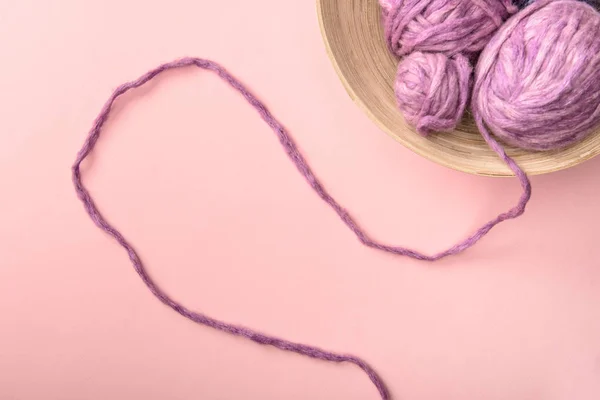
432,90
537,83
446,26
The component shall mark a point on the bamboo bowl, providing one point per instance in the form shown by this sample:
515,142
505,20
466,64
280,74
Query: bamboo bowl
353,35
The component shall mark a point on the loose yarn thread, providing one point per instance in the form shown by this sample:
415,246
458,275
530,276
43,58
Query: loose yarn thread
298,159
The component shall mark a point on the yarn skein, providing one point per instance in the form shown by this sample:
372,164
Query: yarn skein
432,90
305,170
537,83
432,86
449,27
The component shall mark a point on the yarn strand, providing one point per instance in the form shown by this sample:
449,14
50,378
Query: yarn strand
296,157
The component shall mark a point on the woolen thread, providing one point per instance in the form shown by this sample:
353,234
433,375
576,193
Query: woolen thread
432,90
445,35
296,157
537,83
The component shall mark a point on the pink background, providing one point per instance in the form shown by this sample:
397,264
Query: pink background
226,225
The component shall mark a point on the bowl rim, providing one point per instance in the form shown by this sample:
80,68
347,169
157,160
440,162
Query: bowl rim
422,152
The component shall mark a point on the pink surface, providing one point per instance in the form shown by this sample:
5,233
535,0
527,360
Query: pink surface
227,226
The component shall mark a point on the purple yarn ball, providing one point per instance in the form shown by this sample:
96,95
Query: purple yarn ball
537,83
432,86
432,90
446,26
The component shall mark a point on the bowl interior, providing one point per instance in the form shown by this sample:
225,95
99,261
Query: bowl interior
353,34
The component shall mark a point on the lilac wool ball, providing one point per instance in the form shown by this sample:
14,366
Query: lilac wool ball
537,83
432,90
450,27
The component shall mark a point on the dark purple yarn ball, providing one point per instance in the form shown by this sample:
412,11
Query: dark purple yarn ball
525,3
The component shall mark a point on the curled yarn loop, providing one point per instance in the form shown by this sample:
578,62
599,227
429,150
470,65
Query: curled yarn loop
537,83
432,90
296,157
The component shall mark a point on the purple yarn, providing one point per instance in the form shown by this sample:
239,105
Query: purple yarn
296,157
438,38
537,83
449,27
432,90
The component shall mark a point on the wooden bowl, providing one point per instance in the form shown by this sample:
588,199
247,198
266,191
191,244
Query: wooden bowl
353,34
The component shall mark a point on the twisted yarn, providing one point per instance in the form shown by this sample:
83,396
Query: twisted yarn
292,151
537,83
305,170
432,90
